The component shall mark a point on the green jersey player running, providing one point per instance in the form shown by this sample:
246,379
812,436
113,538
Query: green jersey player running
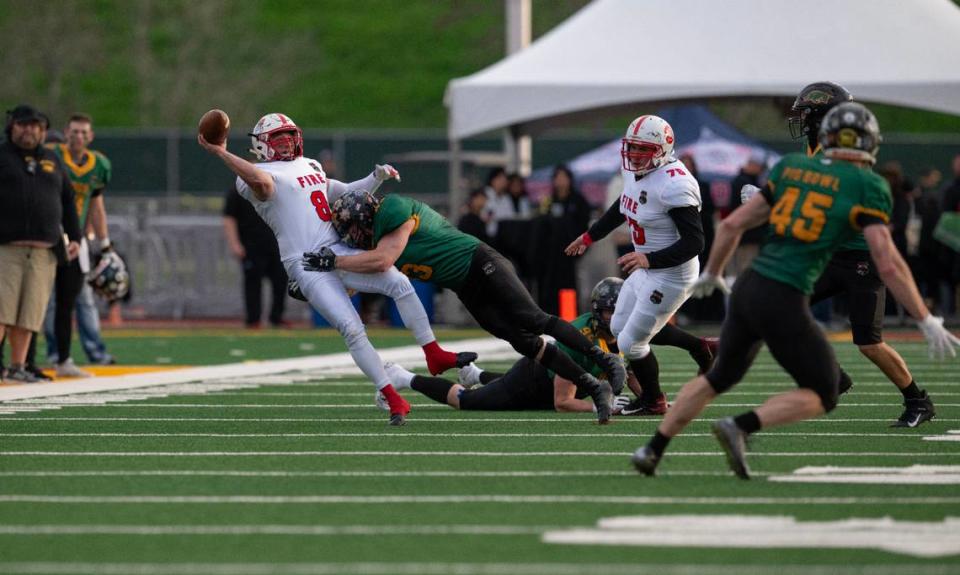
813,205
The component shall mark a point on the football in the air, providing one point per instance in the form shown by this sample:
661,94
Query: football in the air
214,126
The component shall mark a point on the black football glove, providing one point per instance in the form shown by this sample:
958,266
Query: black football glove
294,291
323,261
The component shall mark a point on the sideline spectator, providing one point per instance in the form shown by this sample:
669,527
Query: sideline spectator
252,242
929,250
752,238
89,172
563,217
472,221
499,202
36,203
951,203
517,188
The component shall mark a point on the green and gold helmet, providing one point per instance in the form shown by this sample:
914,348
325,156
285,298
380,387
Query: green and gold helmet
850,132
811,105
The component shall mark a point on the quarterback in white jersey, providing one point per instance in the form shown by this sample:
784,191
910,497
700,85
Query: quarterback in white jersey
293,195
660,203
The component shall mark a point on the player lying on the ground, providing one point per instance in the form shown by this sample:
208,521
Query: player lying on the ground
408,234
661,204
527,385
813,205
292,194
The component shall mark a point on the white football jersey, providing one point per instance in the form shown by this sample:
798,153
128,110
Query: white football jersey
645,203
299,211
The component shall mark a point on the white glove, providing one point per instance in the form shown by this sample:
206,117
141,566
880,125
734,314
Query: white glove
619,402
385,172
747,192
939,339
705,285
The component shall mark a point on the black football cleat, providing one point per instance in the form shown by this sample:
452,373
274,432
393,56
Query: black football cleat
602,396
916,411
733,441
645,461
465,358
706,354
845,383
397,419
639,408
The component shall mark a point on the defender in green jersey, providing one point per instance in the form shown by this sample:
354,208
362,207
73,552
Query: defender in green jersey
422,244
527,385
812,205
852,272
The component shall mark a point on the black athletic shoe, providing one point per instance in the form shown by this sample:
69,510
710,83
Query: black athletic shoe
706,354
465,357
645,461
612,365
602,396
916,411
733,441
397,419
638,407
845,383
38,373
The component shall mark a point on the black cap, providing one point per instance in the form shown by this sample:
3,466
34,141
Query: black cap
26,113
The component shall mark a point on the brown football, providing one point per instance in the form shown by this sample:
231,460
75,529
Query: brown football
214,126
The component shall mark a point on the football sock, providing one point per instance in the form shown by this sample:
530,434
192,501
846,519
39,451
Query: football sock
401,377
658,443
748,422
438,359
912,391
647,371
398,405
675,337
488,376
561,364
568,335
436,388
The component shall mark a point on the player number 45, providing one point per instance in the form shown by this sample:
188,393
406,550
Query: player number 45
319,202
807,227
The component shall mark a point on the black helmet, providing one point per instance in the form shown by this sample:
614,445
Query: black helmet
353,218
604,297
110,278
850,131
811,105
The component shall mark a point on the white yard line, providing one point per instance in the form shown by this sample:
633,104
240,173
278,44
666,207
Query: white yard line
437,568
378,434
457,454
413,474
467,499
366,405
466,417
411,356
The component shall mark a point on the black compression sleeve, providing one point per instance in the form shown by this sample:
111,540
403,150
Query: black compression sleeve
690,244
767,192
864,220
608,222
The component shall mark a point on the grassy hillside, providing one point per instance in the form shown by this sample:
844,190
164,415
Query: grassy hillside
330,64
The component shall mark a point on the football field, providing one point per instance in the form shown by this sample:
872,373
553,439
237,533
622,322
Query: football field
299,473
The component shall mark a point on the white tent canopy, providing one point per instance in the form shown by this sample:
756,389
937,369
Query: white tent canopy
614,54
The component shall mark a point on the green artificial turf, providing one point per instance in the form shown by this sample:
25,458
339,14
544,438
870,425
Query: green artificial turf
297,478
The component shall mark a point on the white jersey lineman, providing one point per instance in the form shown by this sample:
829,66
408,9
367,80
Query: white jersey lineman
299,215
651,296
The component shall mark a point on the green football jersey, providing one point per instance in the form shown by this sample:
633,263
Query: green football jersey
816,205
89,176
585,325
436,251
857,242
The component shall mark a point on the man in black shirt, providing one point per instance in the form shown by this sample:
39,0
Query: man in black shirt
36,208
254,245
